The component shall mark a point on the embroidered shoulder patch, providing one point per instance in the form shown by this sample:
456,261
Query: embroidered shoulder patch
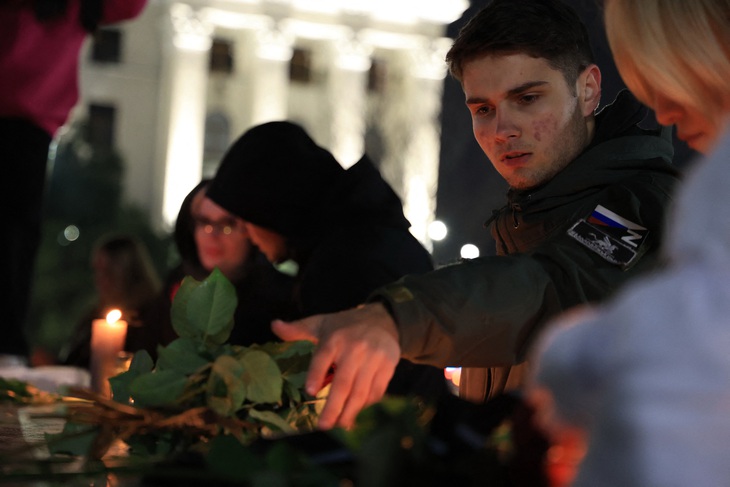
611,236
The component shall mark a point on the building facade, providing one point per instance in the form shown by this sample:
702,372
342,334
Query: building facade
177,85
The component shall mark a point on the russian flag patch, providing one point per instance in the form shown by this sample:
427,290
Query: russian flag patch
611,236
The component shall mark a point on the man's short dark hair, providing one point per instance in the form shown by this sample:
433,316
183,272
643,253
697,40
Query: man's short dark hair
546,29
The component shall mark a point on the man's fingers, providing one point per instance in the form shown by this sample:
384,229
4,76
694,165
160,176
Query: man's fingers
319,368
379,386
340,393
364,393
306,329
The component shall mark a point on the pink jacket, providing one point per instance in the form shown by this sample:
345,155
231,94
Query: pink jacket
39,61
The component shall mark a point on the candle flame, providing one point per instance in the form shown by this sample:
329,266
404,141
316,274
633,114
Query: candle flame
113,316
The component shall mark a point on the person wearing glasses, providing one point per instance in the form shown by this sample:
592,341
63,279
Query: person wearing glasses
344,228
209,237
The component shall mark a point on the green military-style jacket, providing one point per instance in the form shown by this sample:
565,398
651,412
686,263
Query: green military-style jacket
572,241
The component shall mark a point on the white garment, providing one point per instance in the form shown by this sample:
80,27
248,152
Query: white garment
648,374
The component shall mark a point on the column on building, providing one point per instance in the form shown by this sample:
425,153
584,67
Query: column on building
240,94
347,89
412,123
183,100
270,75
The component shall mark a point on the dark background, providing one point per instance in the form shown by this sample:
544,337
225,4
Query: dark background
469,187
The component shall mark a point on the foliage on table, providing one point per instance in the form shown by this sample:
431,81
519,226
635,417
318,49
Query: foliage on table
15,391
201,386
213,413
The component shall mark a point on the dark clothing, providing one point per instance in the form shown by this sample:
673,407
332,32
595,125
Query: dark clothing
264,294
24,149
344,228
553,255
362,242
365,244
368,245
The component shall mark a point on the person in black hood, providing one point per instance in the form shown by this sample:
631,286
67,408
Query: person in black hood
344,229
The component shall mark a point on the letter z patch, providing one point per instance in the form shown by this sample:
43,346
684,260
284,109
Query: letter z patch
611,236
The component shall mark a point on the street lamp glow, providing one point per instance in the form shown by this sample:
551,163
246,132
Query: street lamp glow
469,251
437,230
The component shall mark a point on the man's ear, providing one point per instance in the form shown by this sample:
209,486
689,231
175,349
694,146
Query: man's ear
589,89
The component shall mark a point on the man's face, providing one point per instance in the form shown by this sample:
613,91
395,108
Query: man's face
269,242
526,118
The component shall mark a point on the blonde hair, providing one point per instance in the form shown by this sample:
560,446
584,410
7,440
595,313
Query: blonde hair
679,48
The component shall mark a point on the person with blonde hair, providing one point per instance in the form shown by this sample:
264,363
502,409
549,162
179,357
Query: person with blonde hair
674,55
644,381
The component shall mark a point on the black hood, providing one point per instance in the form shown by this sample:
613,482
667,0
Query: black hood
275,176
362,197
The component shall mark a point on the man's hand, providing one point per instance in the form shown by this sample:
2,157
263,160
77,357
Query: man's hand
362,346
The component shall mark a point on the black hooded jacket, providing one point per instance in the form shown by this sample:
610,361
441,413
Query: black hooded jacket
360,241
345,229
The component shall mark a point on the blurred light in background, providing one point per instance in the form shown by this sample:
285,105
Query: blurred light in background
437,230
469,251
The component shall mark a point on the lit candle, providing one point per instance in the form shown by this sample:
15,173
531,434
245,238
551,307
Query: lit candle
107,340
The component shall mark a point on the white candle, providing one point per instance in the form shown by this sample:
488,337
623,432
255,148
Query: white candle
107,340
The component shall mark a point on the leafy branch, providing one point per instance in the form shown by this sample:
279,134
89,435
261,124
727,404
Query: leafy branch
200,386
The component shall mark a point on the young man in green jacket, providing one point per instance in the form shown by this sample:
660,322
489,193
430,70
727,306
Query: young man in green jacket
584,213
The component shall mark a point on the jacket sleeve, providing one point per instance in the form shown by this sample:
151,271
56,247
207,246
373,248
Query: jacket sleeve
119,10
486,312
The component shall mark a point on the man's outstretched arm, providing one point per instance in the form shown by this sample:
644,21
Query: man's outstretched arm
361,344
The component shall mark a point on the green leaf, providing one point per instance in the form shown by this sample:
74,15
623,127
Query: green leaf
203,311
292,392
159,388
225,391
121,384
261,377
297,379
271,419
182,356
179,314
211,307
141,362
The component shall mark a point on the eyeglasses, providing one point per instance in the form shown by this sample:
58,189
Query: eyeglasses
225,226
